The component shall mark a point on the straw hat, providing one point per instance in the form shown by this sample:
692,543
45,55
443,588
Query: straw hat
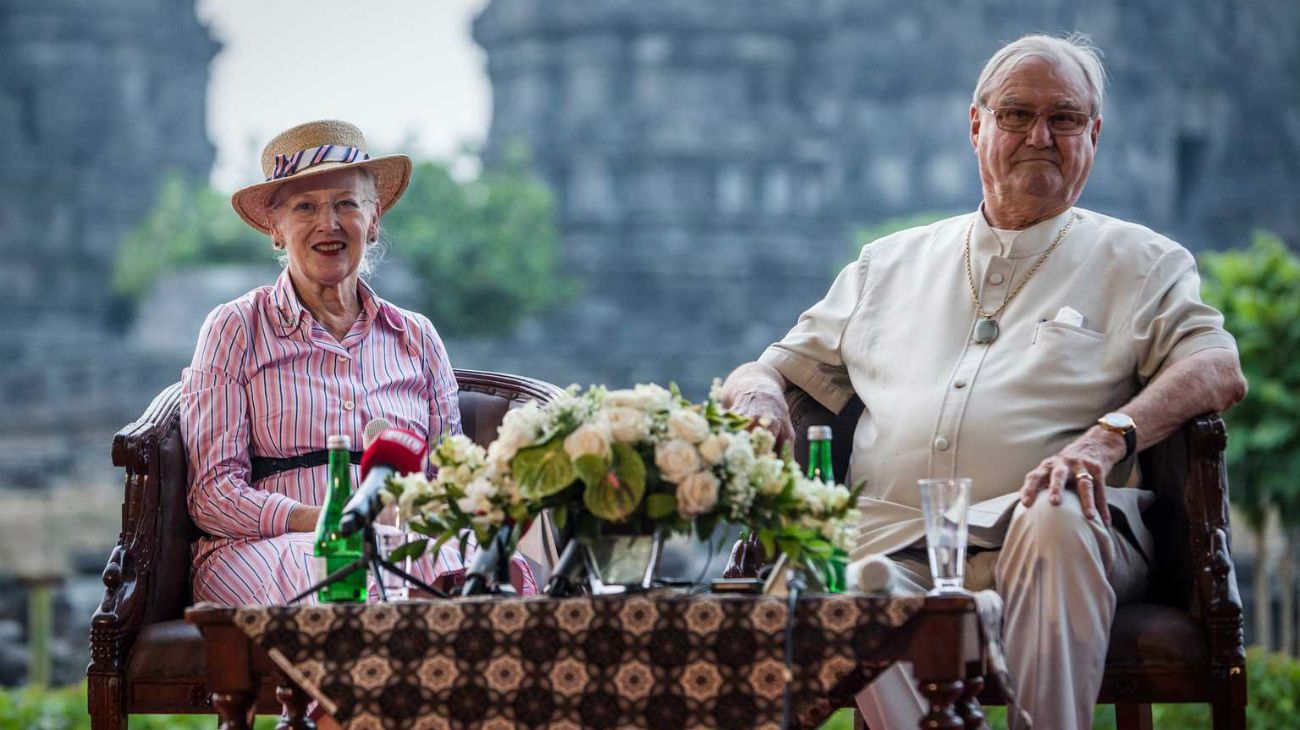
311,149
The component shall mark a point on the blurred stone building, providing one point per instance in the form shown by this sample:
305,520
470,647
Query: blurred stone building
711,160
96,102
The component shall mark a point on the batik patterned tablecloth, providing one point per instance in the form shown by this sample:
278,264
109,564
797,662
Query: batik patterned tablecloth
659,660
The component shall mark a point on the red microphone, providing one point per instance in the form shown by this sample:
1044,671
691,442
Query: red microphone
394,451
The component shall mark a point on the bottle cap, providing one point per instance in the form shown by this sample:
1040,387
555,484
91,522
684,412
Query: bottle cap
339,441
819,433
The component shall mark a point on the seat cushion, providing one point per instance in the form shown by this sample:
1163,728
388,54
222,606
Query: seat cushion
167,651
1149,635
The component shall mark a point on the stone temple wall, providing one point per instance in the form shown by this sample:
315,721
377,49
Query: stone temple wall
711,159
97,101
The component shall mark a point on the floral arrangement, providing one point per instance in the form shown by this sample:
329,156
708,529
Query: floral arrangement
628,462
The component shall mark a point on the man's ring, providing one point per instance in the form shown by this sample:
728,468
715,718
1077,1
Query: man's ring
1082,475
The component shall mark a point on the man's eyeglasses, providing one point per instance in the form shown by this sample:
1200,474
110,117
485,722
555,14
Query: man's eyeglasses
1060,122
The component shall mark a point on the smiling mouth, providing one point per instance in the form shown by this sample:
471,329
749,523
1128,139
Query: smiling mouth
330,247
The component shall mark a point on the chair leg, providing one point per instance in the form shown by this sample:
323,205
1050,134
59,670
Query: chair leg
1228,706
1132,716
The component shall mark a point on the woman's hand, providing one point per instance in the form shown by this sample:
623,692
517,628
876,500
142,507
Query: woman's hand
303,518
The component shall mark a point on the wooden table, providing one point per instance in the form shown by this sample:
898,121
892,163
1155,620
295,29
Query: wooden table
941,636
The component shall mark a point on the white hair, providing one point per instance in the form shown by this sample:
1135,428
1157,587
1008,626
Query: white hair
1074,48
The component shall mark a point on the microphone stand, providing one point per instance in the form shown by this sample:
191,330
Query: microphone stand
370,559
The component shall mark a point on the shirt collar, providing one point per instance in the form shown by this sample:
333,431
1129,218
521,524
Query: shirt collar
284,309
1031,241
377,309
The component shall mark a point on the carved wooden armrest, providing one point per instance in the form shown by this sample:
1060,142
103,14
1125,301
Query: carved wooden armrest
1214,594
136,449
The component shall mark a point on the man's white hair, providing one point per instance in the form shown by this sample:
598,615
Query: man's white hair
1074,48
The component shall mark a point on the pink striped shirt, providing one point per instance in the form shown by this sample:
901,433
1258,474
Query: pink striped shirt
268,380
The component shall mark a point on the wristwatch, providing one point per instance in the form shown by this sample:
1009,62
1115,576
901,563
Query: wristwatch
1121,423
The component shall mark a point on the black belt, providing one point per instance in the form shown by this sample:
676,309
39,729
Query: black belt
265,466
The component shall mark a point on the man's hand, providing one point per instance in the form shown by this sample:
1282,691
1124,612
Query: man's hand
1083,464
758,391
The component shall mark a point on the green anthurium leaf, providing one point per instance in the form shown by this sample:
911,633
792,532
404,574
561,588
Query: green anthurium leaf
613,499
543,470
768,541
412,549
591,469
630,468
560,516
658,506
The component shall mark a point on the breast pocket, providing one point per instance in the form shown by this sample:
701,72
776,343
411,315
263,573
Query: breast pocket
1067,358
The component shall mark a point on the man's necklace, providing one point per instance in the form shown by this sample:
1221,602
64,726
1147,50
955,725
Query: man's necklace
986,329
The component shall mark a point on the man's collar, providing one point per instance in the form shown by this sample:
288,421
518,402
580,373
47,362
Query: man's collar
1029,242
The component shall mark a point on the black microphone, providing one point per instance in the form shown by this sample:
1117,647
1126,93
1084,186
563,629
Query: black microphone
394,451
486,562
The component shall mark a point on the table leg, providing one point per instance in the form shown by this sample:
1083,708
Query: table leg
295,708
968,707
941,696
233,709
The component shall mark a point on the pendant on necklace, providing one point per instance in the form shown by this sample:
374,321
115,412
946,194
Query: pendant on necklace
986,331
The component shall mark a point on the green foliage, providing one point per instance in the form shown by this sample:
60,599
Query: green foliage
876,231
1272,689
1258,291
485,252
190,225
64,708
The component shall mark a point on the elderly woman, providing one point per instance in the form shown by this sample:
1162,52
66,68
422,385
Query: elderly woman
317,353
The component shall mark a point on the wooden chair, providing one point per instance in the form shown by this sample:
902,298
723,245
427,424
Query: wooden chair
144,658
1185,643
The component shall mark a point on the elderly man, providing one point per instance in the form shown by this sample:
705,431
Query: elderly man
1031,345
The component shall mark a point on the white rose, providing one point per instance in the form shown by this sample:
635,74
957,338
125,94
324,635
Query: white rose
627,425
714,448
676,459
688,425
697,493
645,398
590,439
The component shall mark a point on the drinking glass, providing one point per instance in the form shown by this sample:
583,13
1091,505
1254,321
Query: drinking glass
391,532
943,507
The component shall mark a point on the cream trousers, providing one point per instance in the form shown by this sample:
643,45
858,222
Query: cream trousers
1060,576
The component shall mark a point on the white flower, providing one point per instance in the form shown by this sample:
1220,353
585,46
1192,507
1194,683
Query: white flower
740,454
627,425
763,440
589,439
714,448
697,493
676,459
478,497
688,425
645,398
715,390
520,428
768,475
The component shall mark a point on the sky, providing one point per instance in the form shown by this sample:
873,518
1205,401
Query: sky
406,72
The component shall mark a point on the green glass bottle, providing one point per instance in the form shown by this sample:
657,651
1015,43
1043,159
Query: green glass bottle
819,454
331,550
820,467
